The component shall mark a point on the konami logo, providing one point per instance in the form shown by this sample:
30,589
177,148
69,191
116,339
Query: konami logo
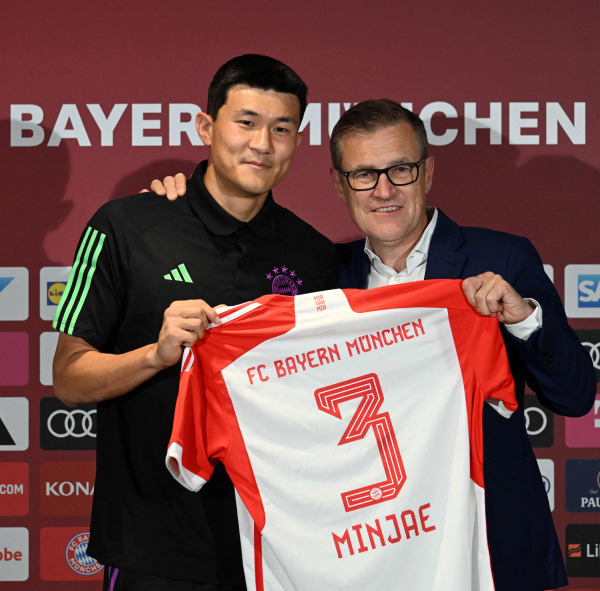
66,488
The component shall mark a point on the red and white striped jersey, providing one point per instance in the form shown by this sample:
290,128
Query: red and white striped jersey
350,424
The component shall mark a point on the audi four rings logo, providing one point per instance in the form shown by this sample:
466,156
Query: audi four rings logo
74,423
594,350
62,427
536,420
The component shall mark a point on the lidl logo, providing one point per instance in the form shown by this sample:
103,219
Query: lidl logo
14,293
55,292
582,291
583,550
53,281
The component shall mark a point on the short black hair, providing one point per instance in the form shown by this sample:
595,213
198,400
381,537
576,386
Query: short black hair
371,115
255,71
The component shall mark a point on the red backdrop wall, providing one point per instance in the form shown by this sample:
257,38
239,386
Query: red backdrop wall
96,102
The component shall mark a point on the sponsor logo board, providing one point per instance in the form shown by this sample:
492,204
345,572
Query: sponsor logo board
14,488
582,291
539,422
582,481
53,281
62,427
14,293
63,555
14,554
66,488
14,358
584,431
583,550
14,424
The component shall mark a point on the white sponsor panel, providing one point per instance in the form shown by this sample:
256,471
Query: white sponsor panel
52,283
14,424
549,271
547,470
14,293
582,291
14,554
48,342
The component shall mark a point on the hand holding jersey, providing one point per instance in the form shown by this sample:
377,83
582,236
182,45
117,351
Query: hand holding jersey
491,295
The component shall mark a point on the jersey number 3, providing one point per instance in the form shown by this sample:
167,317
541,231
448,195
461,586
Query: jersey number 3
366,416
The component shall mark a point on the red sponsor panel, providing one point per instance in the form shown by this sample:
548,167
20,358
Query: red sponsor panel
67,488
14,488
63,555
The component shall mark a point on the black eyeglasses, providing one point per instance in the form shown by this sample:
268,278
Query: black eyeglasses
364,179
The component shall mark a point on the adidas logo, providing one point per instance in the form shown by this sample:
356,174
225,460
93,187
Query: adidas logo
179,273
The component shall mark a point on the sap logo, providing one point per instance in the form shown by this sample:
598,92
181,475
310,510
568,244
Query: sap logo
69,489
588,294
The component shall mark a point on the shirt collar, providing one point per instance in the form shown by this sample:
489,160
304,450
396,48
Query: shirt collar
218,221
416,257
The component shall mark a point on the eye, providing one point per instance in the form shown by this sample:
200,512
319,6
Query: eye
281,130
246,123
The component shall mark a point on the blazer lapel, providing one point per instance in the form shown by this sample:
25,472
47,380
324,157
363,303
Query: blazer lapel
446,258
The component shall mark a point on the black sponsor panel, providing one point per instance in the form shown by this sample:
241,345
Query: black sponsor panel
539,422
583,486
590,339
583,550
62,427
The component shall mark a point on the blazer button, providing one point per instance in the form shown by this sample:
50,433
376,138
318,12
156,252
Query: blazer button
548,357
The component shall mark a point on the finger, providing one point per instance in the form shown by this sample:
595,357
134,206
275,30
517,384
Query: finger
180,183
170,188
157,187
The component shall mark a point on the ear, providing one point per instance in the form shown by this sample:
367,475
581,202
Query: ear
338,183
204,126
299,137
428,173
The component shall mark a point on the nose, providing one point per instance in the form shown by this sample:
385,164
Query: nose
261,140
384,188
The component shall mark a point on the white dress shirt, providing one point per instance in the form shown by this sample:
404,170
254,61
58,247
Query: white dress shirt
381,274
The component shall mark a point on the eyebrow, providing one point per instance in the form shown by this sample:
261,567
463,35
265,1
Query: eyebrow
403,160
250,113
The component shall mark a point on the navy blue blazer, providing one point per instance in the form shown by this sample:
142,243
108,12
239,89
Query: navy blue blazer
524,548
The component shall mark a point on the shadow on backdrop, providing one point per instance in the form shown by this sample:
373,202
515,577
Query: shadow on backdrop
553,200
34,181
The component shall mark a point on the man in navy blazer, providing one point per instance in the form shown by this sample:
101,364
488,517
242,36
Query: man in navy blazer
382,171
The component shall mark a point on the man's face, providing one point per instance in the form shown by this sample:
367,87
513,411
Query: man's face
252,142
392,217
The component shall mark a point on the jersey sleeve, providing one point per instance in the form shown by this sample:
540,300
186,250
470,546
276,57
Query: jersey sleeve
200,434
486,374
90,306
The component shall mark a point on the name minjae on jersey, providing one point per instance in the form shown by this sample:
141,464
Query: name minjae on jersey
330,354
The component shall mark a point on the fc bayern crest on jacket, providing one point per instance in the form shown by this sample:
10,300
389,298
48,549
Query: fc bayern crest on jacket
284,281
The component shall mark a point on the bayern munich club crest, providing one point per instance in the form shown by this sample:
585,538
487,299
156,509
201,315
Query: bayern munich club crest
77,557
284,281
